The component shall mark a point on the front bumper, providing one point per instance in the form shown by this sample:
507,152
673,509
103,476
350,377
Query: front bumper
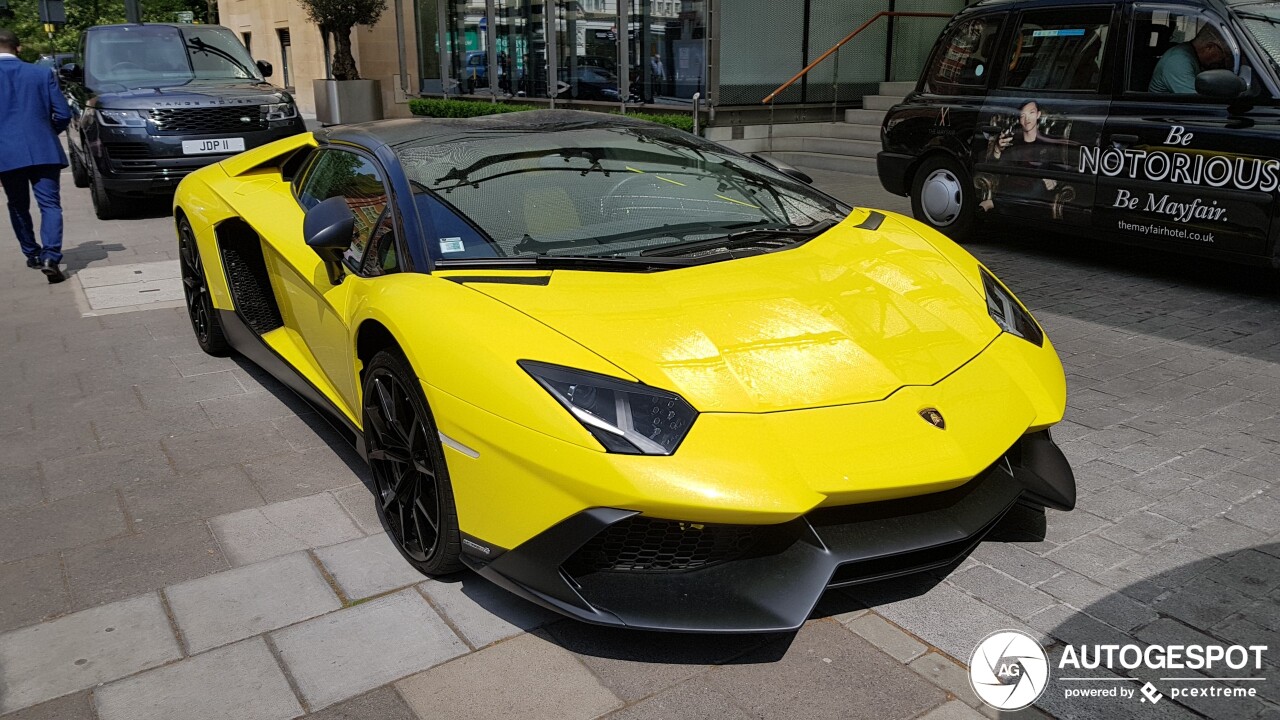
894,170
771,581
134,161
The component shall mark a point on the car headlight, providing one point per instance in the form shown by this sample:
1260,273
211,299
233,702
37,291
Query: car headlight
1008,314
122,118
280,111
625,417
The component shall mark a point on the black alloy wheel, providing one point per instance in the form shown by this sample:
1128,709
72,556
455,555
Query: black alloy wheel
411,480
195,288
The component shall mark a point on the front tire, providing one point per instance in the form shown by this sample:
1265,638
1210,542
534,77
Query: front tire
79,173
195,288
411,480
106,205
943,197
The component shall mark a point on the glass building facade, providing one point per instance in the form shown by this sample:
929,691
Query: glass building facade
663,52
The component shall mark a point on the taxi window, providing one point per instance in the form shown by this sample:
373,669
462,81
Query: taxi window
1059,50
1165,58
963,61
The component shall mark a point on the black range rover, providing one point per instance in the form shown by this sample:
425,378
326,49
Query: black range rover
152,102
1152,123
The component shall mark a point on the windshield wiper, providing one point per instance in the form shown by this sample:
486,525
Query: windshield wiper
805,232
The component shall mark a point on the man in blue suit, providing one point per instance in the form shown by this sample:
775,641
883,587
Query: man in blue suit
32,113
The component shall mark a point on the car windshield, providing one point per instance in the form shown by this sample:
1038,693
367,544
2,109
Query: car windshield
139,56
605,190
1262,21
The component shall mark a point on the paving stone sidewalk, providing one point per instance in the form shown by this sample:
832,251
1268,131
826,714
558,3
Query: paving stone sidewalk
181,537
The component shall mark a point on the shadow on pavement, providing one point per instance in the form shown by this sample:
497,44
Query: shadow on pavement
316,419
1230,599
79,257
1163,294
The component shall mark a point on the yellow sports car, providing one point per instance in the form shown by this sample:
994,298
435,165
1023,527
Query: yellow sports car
622,371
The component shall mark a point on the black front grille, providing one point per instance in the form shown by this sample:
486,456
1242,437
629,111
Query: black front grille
645,544
128,151
208,120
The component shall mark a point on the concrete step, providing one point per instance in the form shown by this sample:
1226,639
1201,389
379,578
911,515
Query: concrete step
880,102
842,130
864,117
821,161
900,89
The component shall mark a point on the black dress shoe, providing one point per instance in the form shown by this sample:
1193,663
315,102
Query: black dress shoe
33,263
51,271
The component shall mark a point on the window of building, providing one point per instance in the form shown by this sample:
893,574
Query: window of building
286,56
247,38
1059,50
963,61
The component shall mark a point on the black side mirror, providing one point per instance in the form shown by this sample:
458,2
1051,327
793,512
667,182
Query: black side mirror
71,72
264,67
1221,84
785,169
327,229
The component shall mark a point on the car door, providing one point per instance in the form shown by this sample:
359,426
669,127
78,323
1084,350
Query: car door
1177,168
317,309
1050,101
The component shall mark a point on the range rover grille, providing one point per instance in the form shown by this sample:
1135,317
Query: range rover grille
208,120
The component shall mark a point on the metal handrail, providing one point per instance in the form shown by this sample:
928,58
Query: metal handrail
768,99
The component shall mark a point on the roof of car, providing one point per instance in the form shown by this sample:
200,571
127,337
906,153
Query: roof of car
987,4
96,28
405,130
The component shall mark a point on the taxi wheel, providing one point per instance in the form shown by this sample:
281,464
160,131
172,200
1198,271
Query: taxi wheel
943,197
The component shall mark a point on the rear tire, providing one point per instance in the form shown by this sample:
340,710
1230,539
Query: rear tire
195,287
943,197
411,480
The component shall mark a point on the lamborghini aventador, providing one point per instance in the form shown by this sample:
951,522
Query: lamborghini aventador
622,371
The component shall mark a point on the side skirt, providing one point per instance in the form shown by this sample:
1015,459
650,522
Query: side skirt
249,344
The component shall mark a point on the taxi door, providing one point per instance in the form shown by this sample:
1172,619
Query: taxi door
1181,169
1050,101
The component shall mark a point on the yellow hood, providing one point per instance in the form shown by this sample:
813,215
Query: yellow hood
848,317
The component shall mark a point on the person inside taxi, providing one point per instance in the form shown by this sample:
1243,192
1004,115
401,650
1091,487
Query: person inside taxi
1176,72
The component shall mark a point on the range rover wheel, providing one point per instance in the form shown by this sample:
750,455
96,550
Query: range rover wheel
411,481
79,173
195,287
105,205
942,197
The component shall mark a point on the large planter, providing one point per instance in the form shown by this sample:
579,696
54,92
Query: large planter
347,101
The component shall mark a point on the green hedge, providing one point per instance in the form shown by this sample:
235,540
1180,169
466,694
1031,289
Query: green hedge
434,107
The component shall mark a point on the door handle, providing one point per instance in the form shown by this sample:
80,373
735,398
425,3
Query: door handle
1122,139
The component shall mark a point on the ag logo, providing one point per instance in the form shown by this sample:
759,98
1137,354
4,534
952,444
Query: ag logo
1009,670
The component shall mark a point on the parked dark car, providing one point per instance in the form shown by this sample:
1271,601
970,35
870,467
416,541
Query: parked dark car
1152,124
153,102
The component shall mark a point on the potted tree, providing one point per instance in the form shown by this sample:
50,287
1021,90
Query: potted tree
345,97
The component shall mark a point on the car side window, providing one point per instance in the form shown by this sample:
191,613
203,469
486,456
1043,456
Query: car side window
962,64
357,179
1170,48
1059,50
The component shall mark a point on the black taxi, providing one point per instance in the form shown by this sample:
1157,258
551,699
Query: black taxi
1156,123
